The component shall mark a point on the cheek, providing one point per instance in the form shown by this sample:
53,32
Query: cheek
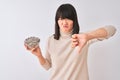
71,24
59,22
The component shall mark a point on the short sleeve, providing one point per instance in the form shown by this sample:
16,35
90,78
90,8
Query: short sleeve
110,30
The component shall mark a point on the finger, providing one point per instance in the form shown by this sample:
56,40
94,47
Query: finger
74,40
81,45
74,44
27,48
74,35
35,49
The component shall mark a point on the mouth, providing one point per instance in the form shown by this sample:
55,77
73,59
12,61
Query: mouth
65,26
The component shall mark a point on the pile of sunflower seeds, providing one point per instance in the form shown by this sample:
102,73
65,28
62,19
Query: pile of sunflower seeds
32,42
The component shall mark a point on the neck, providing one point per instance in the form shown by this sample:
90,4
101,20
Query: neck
66,34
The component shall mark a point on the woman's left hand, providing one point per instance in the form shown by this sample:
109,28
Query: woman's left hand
79,40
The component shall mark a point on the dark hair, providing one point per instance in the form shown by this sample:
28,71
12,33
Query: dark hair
66,11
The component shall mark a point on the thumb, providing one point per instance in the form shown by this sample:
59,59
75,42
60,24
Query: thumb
80,48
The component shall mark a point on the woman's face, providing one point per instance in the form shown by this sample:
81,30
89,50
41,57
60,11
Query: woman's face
66,25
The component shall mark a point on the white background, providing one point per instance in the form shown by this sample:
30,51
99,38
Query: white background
20,19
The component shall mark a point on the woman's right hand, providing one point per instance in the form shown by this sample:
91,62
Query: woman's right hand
36,51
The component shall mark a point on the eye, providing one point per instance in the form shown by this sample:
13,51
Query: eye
60,19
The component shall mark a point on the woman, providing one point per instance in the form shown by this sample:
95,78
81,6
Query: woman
67,49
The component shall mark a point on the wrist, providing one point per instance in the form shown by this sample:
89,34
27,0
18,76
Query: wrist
39,56
89,36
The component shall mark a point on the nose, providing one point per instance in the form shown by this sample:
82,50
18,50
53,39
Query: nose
65,21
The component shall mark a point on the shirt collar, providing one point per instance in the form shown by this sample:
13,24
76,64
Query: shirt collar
66,35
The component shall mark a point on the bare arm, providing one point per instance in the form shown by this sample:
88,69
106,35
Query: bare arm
38,54
43,61
103,32
98,33
81,39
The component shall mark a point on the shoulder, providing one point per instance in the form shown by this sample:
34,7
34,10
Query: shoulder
50,39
